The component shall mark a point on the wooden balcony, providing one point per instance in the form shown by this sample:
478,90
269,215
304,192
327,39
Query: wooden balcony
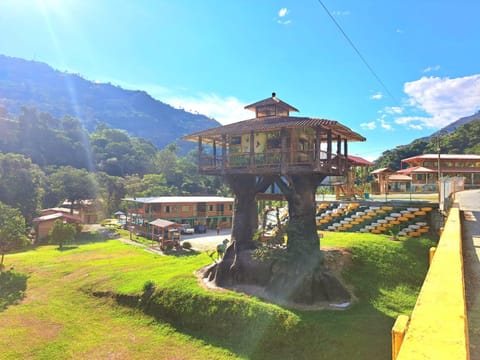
273,162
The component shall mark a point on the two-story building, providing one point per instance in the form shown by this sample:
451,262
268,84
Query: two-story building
421,173
211,211
426,169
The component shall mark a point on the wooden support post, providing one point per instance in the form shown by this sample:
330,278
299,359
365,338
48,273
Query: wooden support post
252,150
318,143
200,152
283,153
214,154
339,152
329,149
345,152
224,151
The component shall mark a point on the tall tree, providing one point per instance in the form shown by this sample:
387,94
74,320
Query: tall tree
61,233
111,190
12,230
73,184
21,184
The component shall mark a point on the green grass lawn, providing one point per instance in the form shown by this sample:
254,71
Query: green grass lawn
59,318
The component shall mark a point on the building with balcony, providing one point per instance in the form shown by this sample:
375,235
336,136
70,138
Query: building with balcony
211,211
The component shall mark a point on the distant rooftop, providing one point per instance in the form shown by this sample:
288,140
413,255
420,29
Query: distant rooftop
444,157
179,199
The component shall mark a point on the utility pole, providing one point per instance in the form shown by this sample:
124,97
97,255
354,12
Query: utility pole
439,169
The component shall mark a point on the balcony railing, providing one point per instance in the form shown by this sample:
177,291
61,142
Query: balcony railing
274,159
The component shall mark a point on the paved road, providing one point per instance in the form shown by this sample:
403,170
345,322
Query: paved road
207,241
470,206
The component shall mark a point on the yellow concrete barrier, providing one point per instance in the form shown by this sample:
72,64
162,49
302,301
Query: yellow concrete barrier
398,332
438,325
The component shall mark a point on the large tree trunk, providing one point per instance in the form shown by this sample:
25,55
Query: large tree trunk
298,276
303,240
229,270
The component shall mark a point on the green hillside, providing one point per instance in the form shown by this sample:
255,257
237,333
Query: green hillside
35,84
464,139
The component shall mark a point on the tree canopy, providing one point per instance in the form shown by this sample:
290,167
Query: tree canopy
61,233
12,230
73,184
21,184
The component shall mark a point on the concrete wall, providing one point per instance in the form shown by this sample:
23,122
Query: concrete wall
438,326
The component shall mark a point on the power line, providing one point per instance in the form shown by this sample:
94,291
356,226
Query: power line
359,53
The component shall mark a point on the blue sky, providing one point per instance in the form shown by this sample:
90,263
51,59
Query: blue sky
215,56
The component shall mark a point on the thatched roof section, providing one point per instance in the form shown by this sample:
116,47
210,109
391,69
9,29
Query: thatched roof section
272,123
271,101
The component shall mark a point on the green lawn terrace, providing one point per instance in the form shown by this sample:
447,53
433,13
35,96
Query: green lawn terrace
385,219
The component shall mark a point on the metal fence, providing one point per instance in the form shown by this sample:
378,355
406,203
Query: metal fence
449,186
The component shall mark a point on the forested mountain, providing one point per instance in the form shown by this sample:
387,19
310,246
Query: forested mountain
35,84
460,137
45,160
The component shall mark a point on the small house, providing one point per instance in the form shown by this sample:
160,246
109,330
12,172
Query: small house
43,224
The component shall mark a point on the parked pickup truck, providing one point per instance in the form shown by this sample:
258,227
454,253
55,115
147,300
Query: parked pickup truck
187,229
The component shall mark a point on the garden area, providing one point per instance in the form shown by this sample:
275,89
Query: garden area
101,298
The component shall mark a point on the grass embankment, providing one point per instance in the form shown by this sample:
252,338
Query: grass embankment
60,319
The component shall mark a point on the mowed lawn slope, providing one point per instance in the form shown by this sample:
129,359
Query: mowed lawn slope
61,319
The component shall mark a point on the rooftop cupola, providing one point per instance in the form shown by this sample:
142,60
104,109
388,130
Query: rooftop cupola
271,106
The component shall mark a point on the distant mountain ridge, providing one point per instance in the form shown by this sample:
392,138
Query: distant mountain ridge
460,137
452,126
32,83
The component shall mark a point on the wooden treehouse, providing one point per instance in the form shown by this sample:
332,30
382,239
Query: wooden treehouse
275,143
273,149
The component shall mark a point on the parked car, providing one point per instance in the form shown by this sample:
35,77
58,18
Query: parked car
200,229
187,229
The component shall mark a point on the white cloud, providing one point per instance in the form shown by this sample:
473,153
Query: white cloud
282,12
444,100
416,127
385,125
368,126
340,12
393,110
408,120
376,96
431,68
399,31
225,110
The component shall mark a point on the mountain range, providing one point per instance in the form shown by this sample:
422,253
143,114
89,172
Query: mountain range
35,84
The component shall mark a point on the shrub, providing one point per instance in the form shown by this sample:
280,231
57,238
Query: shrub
148,286
186,245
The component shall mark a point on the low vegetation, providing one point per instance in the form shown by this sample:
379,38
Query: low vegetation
97,300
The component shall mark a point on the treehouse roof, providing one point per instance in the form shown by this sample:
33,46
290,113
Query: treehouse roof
272,123
270,101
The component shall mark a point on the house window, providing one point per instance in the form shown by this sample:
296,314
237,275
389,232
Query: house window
210,207
185,208
230,207
167,208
